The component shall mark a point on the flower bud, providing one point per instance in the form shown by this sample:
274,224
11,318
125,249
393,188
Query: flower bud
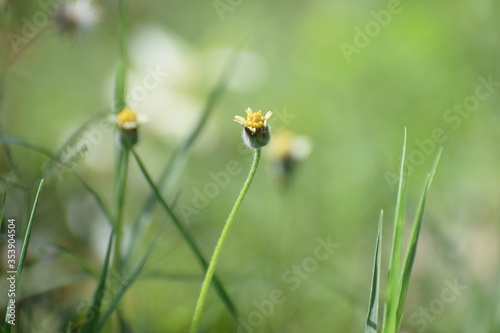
256,130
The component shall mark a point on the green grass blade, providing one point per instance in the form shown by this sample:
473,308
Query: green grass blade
394,278
20,143
412,246
372,318
137,272
95,310
72,150
187,237
96,196
180,155
27,237
126,284
74,258
26,242
3,208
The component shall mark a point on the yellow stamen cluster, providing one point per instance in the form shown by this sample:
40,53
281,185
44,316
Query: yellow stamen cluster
127,119
254,121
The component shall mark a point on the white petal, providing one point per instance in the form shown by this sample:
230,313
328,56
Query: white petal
268,115
129,125
248,111
240,120
142,118
301,147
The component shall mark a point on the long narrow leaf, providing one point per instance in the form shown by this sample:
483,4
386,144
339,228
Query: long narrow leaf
372,318
27,237
394,278
26,242
187,237
95,310
412,247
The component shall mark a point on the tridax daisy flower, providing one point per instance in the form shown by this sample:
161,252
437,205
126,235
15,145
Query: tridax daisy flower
128,121
76,16
286,151
256,129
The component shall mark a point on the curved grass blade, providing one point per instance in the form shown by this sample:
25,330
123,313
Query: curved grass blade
20,143
74,258
73,149
372,318
188,238
394,277
412,246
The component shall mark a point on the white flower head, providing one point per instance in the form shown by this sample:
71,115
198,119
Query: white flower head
76,16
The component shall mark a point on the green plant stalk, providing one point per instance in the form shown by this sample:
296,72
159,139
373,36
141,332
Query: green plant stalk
120,202
187,237
121,75
220,243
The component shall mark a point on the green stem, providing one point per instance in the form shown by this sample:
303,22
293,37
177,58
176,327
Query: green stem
120,200
220,243
121,75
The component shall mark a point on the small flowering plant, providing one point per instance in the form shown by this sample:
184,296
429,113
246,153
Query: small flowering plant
256,134
256,129
128,121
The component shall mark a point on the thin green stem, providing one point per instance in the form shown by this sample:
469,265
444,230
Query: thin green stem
121,75
120,200
190,241
220,244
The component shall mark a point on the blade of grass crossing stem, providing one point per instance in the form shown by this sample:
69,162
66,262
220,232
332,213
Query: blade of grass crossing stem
412,246
372,318
128,282
179,156
26,243
93,312
16,142
188,238
134,276
394,278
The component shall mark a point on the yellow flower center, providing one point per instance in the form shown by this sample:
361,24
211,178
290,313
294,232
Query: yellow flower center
256,120
126,118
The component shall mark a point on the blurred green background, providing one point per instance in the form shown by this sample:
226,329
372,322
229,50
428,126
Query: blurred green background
410,68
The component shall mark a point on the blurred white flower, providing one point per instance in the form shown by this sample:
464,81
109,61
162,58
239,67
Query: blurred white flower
286,149
76,17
